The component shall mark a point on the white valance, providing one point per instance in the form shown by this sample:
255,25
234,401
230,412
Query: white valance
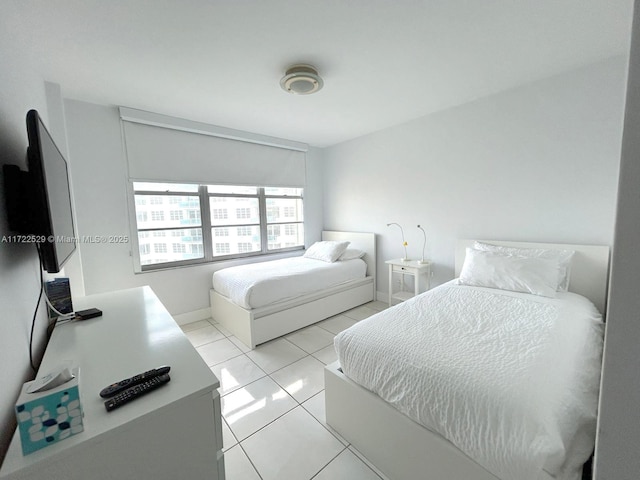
190,152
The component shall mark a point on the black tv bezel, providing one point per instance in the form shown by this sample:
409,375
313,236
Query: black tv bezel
39,200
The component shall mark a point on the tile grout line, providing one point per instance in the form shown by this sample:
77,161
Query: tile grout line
318,472
250,461
322,424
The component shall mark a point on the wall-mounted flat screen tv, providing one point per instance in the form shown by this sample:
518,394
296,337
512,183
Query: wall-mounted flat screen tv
39,200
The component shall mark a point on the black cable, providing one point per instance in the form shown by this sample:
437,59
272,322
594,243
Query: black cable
33,322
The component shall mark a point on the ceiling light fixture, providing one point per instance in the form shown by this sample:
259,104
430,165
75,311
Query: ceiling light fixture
301,80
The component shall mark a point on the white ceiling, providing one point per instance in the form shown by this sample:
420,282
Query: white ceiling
384,62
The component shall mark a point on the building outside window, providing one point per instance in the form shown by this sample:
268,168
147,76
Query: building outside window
219,213
222,248
244,247
179,248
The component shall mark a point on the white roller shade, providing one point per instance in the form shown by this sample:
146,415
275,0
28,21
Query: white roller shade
158,153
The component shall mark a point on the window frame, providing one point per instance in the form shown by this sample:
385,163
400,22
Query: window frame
206,226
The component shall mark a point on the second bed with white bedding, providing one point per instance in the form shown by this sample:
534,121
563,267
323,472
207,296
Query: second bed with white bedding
510,379
259,284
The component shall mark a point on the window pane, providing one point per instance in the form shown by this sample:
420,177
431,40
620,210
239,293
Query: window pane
291,192
231,240
167,211
234,211
284,210
167,246
238,190
164,187
285,236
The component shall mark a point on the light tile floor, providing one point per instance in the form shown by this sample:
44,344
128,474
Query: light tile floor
273,402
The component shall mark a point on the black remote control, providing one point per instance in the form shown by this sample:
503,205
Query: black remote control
118,387
136,391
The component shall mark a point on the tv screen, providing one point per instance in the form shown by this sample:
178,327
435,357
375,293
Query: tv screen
51,196
39,201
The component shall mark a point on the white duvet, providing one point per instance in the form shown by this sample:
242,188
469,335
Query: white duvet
259,284
510,379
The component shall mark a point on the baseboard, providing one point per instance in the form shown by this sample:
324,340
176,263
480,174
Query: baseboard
194,316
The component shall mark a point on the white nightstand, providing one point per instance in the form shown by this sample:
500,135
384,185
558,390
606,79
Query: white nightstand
420,272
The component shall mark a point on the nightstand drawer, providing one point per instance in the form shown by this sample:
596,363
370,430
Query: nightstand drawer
401,269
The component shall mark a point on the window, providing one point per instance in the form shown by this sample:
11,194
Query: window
273,232
222,248
175,214
174,208
284,209
273,212
194,216
204,223
244,247
219,213
243,213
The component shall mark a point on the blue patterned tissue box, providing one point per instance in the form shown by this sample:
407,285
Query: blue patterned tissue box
49,416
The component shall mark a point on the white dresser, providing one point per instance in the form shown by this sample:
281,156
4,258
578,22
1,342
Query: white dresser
170,433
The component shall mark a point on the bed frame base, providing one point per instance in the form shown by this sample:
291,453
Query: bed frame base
399,447
253,327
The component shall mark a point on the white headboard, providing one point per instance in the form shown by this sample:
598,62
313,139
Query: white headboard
589,266
362,241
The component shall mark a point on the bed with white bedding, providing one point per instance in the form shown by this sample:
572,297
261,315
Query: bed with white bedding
260,284
474,382
262,301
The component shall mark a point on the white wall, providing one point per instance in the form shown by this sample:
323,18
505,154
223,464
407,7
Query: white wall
99,181
618,425
538,162
22,89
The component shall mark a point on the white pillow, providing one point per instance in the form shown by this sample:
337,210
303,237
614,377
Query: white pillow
563,256
517,273
327,251
350,254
